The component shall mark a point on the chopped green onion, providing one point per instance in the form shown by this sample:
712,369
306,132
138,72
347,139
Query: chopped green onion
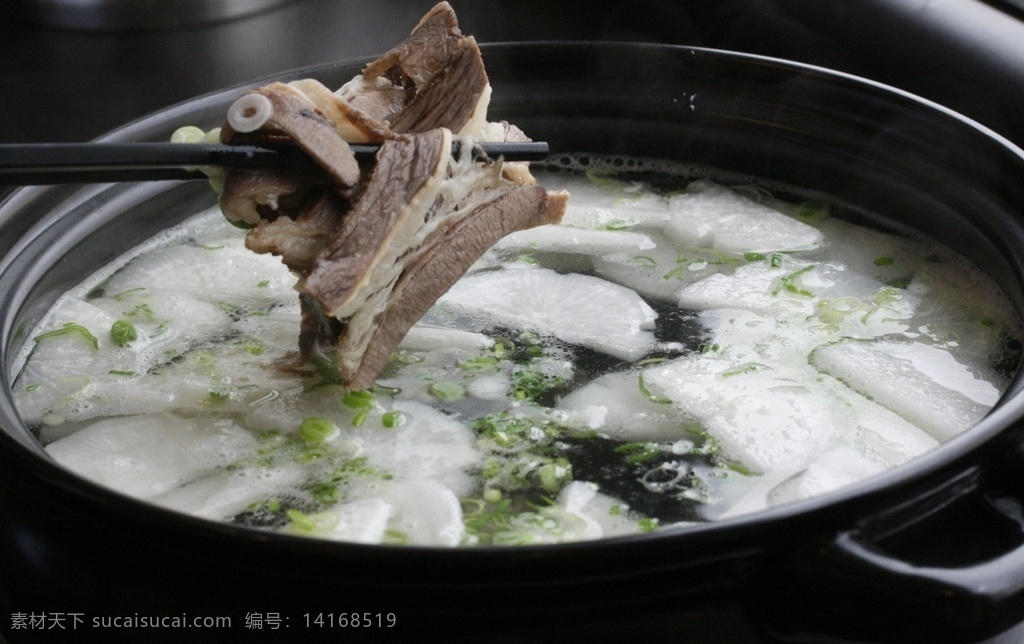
883,261
753,257
480,363
254,348
327,370
361,399
648,395
647,361
447,390
141,310
392,419
776,260
316,430
318,522
638,452
215,397
385,391
788,283
325,493
647,524
123,333
749,367
187,134
834,311
679,272
268,435
619,224
739,468
70,328
554,475
119,372
645,260
702,252
492,495
122,294
812,211
491,468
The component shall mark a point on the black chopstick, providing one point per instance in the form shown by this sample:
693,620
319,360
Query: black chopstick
23,164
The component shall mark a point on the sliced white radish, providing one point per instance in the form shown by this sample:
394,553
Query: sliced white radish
362,521
566,239
758,286
963,311
225,493
662,270
884,256
422,337
604,516
781,416
761,417
603,202
830,471
711,215
783,285
615,405
286,412
143,456
427,446
578,309
925,384
226,272
424,513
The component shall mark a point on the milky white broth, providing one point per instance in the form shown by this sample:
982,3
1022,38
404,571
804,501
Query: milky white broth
674,352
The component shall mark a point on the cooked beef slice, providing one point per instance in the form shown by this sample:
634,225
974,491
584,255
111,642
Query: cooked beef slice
373,254
363,350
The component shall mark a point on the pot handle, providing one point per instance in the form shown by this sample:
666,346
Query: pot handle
983,584
954,602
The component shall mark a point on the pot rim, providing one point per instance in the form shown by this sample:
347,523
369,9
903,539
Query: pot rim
940,463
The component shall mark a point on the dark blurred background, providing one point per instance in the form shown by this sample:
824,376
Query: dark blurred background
73,75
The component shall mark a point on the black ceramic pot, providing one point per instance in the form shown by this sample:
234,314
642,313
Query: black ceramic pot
932,551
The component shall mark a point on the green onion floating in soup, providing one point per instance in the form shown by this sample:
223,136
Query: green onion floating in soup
519,410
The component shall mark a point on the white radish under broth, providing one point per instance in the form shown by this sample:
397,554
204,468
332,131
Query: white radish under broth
537,452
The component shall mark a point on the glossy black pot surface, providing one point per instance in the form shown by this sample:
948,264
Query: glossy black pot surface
931,551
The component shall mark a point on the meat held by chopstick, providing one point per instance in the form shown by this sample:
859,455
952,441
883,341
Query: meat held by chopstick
375,247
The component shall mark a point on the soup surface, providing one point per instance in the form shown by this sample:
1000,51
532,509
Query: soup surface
676,351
